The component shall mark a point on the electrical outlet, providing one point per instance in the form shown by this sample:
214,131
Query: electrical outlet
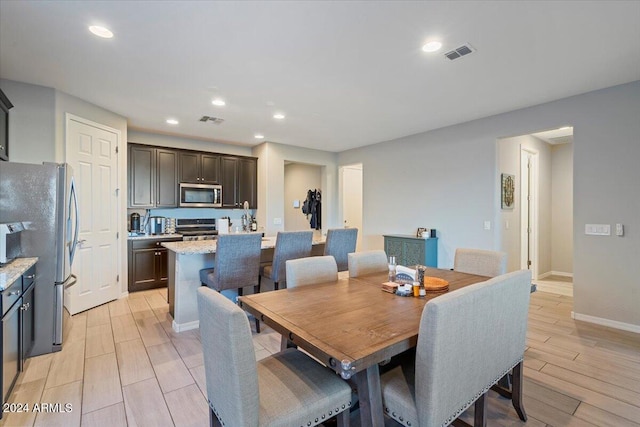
619,230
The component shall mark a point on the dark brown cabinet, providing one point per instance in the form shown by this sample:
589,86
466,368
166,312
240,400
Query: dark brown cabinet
239,181
148,264
153,177
199,168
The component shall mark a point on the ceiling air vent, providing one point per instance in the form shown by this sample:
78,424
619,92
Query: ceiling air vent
215,120
463,50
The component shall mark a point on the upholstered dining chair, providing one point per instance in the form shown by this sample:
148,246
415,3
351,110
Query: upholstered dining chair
311,270
340,242
289,245
489,318
480,262
367,262
285,389
236,264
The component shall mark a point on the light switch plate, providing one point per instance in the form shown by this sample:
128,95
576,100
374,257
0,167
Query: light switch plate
597,229
277,221
619,230
487,225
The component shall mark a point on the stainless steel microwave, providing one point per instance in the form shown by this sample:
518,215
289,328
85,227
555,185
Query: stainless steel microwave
200,195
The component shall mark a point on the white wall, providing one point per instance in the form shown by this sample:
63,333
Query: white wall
140,137
298,179
31,122
448,179
562,209
271,200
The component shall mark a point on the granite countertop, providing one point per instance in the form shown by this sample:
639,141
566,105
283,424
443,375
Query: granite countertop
209,246
154,236
10,272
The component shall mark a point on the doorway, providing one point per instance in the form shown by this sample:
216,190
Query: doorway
351,198
529,232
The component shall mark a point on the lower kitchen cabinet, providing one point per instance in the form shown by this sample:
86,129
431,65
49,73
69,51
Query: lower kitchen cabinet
410,250
148,264
17,332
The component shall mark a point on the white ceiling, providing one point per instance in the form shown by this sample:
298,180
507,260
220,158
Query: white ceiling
346,74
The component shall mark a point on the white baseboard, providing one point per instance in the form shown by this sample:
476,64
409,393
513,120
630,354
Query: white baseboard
124,295
554,273
181,327
606,322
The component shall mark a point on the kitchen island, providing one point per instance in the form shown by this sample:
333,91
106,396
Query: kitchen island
186,259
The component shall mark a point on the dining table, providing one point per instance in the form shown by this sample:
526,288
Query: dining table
351,325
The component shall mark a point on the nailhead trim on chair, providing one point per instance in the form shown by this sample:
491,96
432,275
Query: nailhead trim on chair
467,405
323,416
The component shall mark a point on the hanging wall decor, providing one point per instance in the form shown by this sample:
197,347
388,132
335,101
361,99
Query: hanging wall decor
508,189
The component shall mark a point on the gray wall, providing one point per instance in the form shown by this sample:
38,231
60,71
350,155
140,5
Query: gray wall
562,209
448,179
31,122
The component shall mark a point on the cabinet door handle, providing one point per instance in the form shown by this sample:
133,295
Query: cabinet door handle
31,276
17,293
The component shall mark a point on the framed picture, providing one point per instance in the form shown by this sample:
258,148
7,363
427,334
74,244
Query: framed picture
420,230
508,190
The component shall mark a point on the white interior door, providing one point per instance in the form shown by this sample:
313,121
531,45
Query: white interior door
92,152
352,199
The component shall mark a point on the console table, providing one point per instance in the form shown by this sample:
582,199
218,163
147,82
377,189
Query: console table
410,250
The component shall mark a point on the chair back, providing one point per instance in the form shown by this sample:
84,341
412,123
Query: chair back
367,262
480,262
229,360
289,245
311,270
484,326
237,262
340,242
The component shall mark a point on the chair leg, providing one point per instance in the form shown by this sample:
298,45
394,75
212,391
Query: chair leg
516,391
213,420
480,412
343,418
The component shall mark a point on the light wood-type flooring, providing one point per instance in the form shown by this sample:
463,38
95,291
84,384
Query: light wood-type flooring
123,365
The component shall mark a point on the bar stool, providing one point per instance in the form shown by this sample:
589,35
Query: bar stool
236,265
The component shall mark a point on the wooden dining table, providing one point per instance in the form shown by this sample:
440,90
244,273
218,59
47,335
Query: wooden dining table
351,325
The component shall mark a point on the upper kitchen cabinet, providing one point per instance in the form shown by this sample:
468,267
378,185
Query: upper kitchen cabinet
5,105
239,177
153,177
199,168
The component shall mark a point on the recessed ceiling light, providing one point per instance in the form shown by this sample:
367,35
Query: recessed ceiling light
219,102
432,46
101,31
172,121
258,136
278,116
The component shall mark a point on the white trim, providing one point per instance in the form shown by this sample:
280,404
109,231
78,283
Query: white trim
181,327
606,322
124,295
554,273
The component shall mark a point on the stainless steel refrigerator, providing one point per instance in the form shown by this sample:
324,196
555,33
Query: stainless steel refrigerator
43,198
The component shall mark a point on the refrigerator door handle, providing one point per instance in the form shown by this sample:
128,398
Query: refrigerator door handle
74,196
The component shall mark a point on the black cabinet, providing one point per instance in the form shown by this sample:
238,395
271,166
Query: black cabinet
17,332
148,264
5,105
153,177
239,177
199,168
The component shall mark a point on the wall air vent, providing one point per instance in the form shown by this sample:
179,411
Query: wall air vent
215,120
459,52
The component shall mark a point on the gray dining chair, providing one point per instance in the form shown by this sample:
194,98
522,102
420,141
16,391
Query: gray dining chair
339,243
367,262
480,262
288,388
236,264
289,245
484,327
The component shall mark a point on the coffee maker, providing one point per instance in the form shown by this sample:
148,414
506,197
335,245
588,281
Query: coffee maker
134,224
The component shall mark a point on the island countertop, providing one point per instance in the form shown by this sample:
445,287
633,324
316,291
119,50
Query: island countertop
209,246
10,272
